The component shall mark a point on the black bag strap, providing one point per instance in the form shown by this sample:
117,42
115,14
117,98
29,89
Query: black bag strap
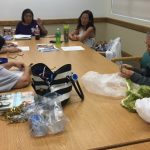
76,86
48,77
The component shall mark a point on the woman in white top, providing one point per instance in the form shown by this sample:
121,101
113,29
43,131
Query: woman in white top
85,31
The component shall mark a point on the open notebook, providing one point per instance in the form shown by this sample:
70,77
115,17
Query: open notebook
46,47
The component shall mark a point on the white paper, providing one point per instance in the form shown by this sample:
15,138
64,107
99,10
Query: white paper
24,48
72,48
21,36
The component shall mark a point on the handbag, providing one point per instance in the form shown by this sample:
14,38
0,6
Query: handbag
45,81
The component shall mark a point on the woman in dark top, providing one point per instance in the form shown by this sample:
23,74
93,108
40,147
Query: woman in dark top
28,25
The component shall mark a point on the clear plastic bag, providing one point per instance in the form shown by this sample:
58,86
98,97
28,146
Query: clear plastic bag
46,116
143,108
56,119
38,125
105,84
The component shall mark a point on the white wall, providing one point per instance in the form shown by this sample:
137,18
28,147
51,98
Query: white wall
51,9
133,42
109,14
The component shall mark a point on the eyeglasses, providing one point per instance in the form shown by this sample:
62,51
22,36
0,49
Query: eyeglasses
14,56
4,104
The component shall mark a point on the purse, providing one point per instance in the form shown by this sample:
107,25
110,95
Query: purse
46,82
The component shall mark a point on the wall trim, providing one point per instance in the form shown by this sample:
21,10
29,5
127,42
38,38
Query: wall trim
121,23
53,21
128,25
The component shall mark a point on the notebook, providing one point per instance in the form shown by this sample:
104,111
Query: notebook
46,47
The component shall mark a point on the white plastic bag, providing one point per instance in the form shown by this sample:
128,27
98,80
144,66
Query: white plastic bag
143,108
115,50
105,84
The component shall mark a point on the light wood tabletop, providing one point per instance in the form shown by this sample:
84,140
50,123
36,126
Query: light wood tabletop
141,146
97,122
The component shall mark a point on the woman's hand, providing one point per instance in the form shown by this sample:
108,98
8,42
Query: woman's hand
42,28
13,49
39,22
10,44
126,73
127,66
19,65
73,37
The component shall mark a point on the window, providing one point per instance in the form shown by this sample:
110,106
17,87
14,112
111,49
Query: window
139,9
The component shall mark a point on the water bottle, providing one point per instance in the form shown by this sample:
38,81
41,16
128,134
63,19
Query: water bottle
57,121
58,37
37,33
38,125
66,33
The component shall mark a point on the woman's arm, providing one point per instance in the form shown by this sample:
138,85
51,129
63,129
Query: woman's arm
8,65
25,78
40,24
9,49
140,79
18,65
86,34
72,35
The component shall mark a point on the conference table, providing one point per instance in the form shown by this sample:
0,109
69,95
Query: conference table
99,122
143,146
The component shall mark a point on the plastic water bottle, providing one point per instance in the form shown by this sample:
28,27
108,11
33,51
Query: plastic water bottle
57,120
38,126
37,33
58,37
66,33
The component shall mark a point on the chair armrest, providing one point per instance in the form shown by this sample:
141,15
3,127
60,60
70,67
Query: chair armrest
103,53
136,58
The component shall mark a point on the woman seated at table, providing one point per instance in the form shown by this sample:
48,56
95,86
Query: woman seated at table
10,80
85,30
28,25
7,46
